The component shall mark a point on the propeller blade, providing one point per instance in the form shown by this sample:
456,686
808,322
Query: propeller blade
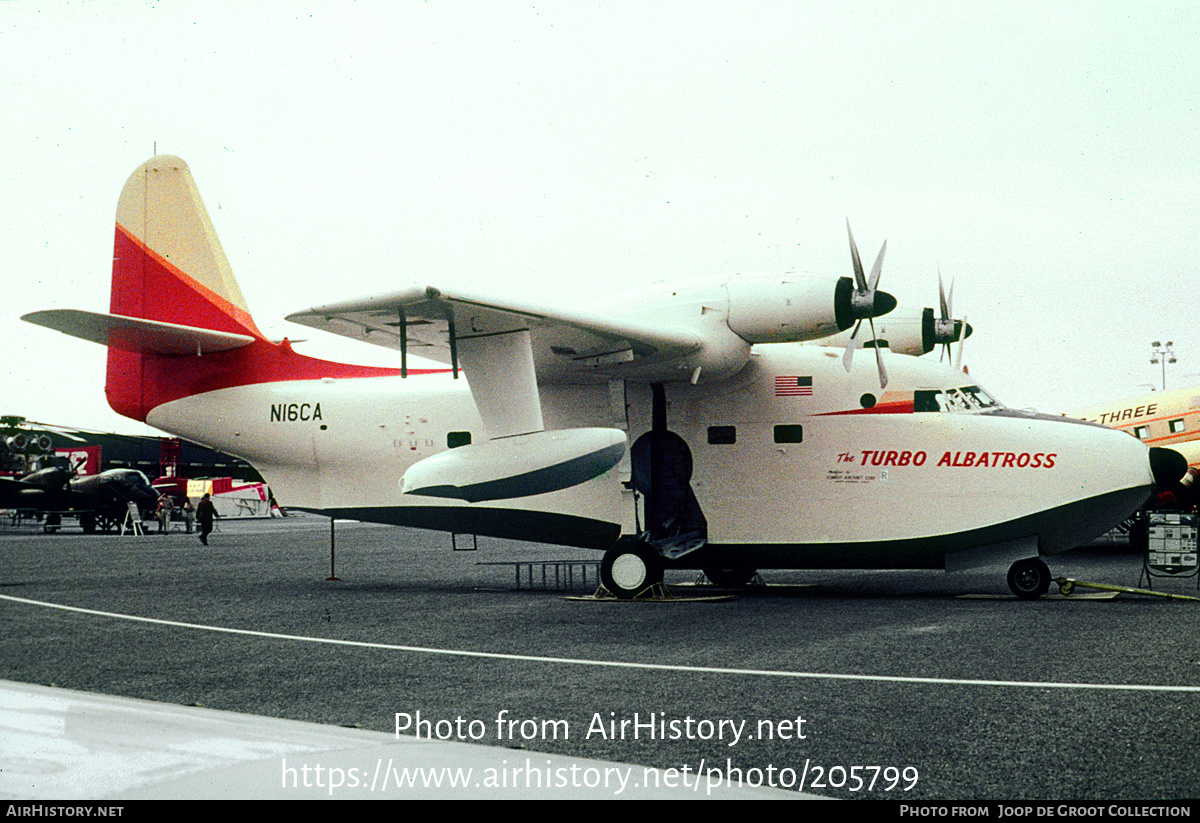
848,357
883,378
878,267
945,309
860,280
961,339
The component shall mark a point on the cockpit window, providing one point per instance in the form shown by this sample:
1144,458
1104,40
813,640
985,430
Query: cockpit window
978,398
926,400
962,399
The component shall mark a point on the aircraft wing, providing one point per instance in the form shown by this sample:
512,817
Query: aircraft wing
11,485
61,744
441,325
503,347
136,335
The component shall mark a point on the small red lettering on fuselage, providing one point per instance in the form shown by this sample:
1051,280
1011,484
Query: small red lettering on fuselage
889,457
998,460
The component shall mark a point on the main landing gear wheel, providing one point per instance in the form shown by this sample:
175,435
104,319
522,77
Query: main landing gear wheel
629,568
730,578
1029,579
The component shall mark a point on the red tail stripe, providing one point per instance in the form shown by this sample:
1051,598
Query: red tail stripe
158,290
147,286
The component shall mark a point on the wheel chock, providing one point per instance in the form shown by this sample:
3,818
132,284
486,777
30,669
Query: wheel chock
1066,585
658,593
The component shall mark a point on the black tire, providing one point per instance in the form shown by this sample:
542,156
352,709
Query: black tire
629,568
730,578
1029,579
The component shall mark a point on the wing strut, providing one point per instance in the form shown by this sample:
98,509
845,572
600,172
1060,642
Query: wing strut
500,372
403,343
453,341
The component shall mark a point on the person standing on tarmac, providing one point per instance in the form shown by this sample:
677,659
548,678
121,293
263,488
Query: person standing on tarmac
205,512
163,514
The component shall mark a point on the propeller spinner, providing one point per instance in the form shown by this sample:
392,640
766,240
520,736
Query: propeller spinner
867,302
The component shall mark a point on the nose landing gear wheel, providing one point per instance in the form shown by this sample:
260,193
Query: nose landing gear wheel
1029,579
629,568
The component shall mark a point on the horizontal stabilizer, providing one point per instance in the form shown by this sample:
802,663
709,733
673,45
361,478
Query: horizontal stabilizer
134,335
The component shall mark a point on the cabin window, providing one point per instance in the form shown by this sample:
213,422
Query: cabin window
456,439
1177,426
1141,432
789,433
722,435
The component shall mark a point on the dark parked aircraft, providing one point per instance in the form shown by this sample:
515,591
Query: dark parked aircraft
101,500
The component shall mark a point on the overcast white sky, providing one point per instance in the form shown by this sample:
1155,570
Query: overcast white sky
1046,155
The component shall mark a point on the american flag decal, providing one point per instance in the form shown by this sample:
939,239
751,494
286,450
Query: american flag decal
793,386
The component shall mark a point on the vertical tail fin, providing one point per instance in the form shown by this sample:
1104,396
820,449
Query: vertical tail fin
179,325
168,264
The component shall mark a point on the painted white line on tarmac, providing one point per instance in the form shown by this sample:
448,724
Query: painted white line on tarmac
613,664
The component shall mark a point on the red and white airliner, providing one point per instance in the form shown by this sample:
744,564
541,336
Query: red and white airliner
748,451
1168,419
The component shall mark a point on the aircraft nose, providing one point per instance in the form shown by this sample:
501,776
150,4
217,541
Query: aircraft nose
1168,467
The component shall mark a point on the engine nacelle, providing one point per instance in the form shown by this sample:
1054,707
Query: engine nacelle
520,466
29,443
783,309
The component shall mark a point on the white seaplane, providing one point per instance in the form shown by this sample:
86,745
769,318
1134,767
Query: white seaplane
748,451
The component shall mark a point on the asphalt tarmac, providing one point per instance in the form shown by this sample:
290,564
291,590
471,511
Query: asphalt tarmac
896,685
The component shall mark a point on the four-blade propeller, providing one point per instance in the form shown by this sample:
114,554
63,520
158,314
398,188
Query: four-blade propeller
946,329
867,302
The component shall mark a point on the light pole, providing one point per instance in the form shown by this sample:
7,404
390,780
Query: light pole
1162,355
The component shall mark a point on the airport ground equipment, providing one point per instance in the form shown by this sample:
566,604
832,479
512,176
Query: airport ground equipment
551,574
1067,586
1171,547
